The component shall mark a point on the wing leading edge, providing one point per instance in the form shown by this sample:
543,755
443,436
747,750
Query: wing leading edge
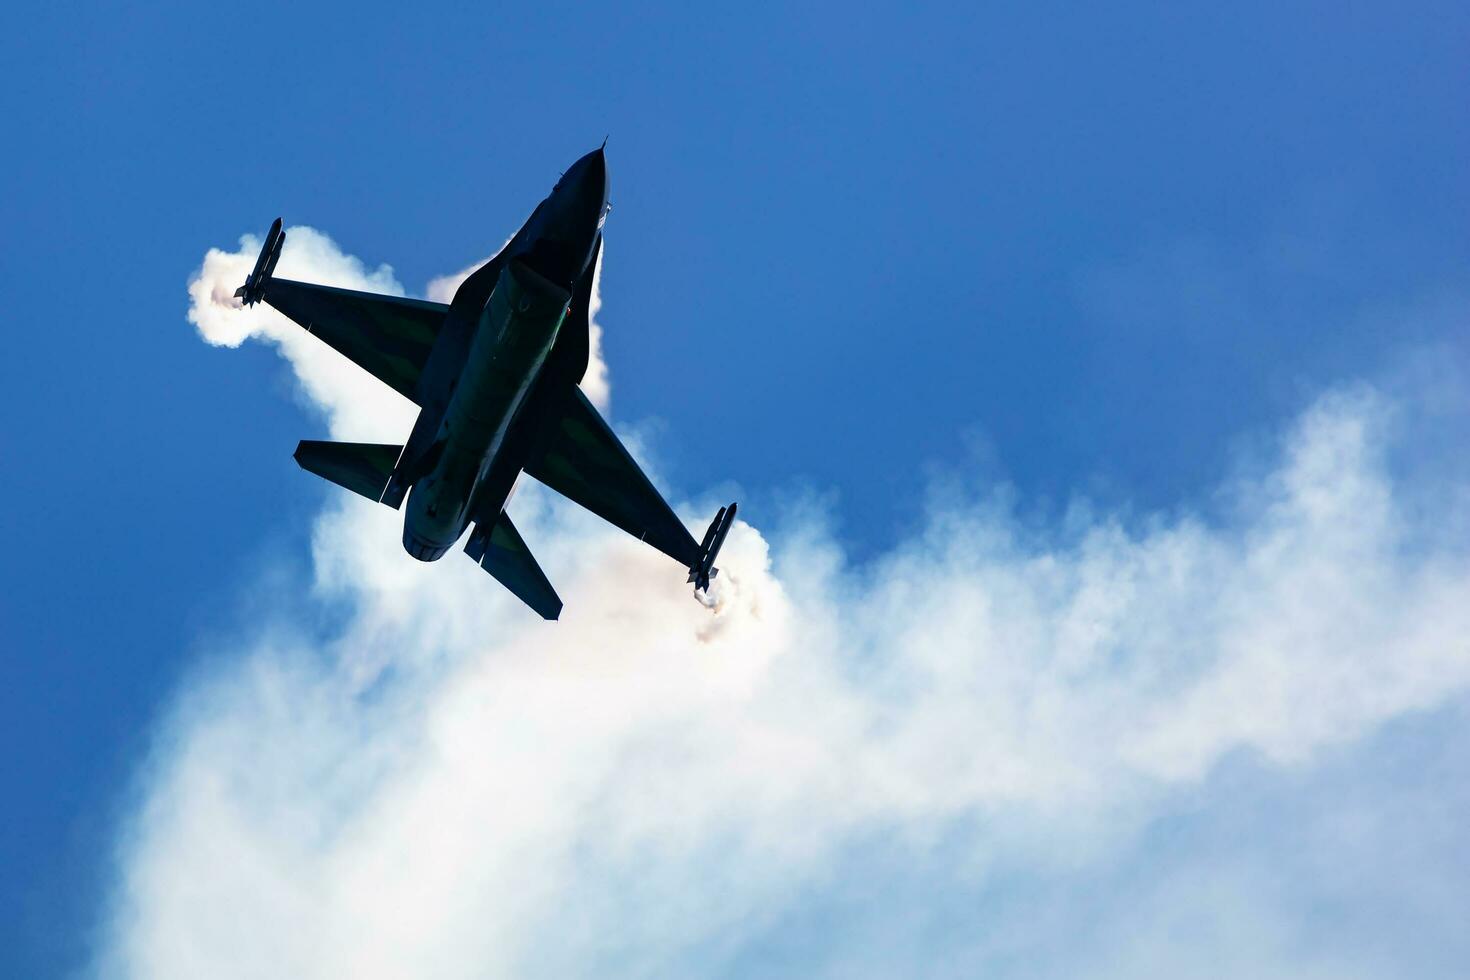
583,460
388,336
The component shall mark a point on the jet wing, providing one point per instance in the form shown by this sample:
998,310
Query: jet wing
388,336
581,458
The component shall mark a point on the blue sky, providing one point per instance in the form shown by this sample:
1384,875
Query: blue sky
859,261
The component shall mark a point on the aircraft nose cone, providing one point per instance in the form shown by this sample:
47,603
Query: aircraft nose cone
567,227
584,195
589,176
594,160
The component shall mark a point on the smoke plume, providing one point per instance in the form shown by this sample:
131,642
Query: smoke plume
443,786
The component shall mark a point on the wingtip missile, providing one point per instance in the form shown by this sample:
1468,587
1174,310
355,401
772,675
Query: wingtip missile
703,569
253,291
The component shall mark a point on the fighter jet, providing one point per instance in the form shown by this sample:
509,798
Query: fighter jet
496,377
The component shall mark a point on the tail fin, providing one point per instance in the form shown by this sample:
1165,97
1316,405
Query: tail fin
361,467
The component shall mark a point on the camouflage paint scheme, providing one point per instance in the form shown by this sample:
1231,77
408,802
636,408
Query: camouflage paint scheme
496,376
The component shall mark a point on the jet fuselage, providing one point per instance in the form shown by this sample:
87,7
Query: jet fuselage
496,376
509,349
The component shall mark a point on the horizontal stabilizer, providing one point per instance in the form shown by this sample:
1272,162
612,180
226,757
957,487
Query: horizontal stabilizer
362,467
503,553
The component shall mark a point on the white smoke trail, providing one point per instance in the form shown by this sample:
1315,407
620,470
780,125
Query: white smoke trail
447,787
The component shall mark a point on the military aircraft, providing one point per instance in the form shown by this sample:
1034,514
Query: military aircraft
496,377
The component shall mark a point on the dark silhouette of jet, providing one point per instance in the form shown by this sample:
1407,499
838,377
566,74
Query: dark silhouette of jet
495,375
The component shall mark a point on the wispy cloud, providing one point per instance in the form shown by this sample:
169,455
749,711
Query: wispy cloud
447,787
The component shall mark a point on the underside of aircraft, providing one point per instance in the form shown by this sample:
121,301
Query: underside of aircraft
496,376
